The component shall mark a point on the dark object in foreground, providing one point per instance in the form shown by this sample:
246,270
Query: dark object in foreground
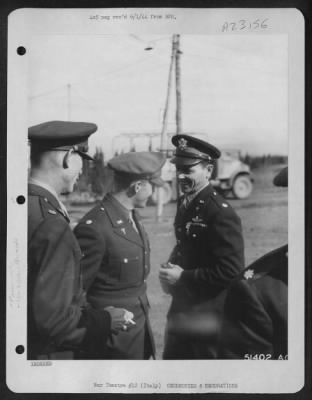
256,308
255,323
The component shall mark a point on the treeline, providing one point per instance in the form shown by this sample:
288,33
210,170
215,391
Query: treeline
97,178
263,161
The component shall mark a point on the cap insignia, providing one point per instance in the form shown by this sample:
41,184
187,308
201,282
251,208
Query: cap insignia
182,144
249,274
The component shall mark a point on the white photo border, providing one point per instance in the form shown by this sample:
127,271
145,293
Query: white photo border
76,376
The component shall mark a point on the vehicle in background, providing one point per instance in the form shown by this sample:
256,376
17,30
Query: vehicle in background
230,177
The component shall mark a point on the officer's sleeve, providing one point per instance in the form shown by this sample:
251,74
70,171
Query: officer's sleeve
58,302
56,305
247,329
93,248
225,253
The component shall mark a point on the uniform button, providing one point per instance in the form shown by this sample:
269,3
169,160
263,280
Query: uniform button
224,205
45,199
89,221
178,241
197,208
215,193
125,260
179,229
194,235
178,253
102,208
144,280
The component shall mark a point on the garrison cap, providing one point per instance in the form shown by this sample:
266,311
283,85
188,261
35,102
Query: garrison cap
190,150
139,165
62,135
281,179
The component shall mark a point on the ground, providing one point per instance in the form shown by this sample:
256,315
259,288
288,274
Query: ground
264,220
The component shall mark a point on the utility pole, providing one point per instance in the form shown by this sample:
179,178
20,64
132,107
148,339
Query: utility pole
163,141
68,101
178,85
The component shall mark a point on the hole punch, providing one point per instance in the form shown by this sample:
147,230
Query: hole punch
20,199
21,50
19,349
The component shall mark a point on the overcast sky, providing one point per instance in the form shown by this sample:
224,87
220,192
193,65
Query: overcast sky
234,88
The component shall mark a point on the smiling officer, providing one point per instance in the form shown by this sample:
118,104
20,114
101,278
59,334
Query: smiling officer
60,322
116,251
208,254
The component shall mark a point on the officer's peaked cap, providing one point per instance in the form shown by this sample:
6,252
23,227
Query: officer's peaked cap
281,179
62,135
191,150
139,165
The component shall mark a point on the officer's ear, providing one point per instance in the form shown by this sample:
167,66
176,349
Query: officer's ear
137,186
66,158
210,168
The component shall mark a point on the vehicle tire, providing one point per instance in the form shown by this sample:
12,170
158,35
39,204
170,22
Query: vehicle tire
242,187
165,194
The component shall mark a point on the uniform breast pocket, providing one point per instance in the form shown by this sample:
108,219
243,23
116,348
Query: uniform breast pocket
131,270
196,230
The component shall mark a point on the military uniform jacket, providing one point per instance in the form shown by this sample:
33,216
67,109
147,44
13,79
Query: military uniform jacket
59,318
255,325
209,248
116,264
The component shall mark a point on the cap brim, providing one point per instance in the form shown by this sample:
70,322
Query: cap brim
157,182
185,161
85,156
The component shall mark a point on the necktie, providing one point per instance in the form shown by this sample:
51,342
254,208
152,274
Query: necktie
132,222
184,204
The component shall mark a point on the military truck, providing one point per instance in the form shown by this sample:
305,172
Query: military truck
230,177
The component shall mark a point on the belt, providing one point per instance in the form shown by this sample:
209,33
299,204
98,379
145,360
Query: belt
104,301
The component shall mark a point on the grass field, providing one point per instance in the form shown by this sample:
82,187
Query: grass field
264,220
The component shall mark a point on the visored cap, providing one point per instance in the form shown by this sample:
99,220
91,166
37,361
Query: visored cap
62,135
191,150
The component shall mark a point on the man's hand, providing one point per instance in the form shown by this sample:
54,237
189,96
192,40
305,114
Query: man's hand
121,319
169,274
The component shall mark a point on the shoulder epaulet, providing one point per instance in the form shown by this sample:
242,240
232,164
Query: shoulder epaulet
216,200
265,264
91,217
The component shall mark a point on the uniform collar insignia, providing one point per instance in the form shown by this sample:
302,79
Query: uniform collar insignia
120,221
249,274
182,144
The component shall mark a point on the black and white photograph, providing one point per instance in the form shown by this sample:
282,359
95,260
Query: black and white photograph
156,213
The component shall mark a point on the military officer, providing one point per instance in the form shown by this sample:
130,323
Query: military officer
60,322
209,252
117,251
255,323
